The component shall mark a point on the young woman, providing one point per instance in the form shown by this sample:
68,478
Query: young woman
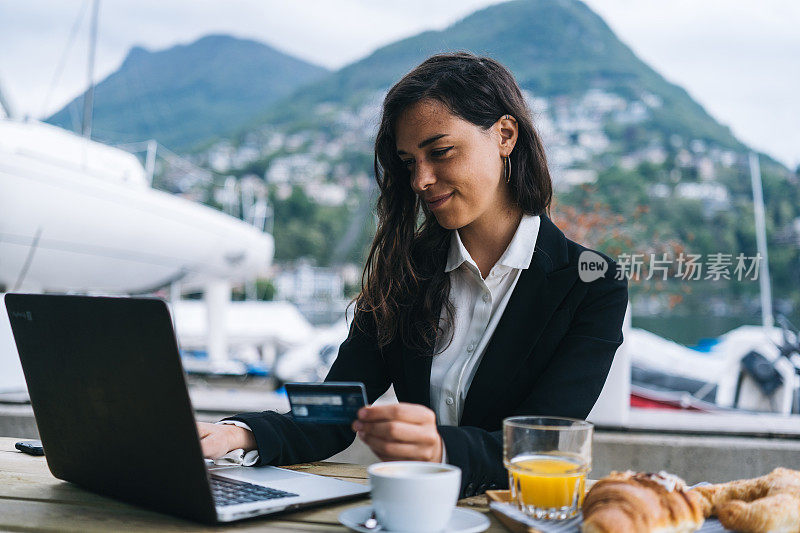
471,304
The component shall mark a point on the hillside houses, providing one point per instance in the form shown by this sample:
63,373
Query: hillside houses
333,158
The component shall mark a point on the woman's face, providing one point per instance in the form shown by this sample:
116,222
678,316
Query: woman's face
455,166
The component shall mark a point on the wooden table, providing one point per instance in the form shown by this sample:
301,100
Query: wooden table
31,499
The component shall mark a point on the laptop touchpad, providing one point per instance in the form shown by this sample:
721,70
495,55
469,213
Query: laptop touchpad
256,474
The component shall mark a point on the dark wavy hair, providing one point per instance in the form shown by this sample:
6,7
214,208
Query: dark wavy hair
404,287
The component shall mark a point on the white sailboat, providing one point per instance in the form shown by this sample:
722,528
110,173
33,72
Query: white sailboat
80,216
77,215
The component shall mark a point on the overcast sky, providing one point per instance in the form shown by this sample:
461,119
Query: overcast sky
739,58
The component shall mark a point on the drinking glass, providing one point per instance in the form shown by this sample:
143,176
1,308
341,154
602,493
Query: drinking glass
548,459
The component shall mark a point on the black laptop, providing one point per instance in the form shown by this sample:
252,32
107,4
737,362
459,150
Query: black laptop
114,416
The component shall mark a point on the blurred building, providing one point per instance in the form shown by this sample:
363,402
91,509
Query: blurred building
305,282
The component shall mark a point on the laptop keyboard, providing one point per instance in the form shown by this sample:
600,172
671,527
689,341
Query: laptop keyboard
232,492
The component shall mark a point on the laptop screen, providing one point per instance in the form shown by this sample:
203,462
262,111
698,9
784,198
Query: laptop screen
110,399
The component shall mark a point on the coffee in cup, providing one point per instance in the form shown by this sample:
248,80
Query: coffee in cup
414,495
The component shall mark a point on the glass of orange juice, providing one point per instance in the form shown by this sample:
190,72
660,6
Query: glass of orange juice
547,459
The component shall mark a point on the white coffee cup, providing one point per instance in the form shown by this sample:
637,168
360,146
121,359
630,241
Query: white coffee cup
413,495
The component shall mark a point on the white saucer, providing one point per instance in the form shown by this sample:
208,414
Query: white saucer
462,520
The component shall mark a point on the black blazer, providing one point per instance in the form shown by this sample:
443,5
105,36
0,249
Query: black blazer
549,355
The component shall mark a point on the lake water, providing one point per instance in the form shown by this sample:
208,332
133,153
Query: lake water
689,329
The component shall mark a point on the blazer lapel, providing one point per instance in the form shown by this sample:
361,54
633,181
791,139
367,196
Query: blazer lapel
539,290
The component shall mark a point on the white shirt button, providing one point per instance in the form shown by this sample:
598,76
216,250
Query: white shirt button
470,347
485,297
449,400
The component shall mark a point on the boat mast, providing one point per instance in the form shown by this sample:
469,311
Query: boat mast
4,104
761,242
89,95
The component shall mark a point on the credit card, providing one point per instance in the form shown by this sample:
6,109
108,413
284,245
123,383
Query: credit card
331,402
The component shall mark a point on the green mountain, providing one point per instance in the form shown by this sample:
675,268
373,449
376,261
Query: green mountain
189,94
553,47
639,166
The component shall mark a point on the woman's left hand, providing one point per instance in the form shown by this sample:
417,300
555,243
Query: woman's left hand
400,432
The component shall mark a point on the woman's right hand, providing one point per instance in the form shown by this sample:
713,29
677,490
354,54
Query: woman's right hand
218,439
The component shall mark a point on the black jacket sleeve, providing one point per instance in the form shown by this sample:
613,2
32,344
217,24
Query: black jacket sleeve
282,441
569,385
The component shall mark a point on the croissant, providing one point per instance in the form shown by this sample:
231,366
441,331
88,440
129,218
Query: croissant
630,502
764,504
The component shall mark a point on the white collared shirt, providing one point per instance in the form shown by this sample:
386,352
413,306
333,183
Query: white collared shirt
478,305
